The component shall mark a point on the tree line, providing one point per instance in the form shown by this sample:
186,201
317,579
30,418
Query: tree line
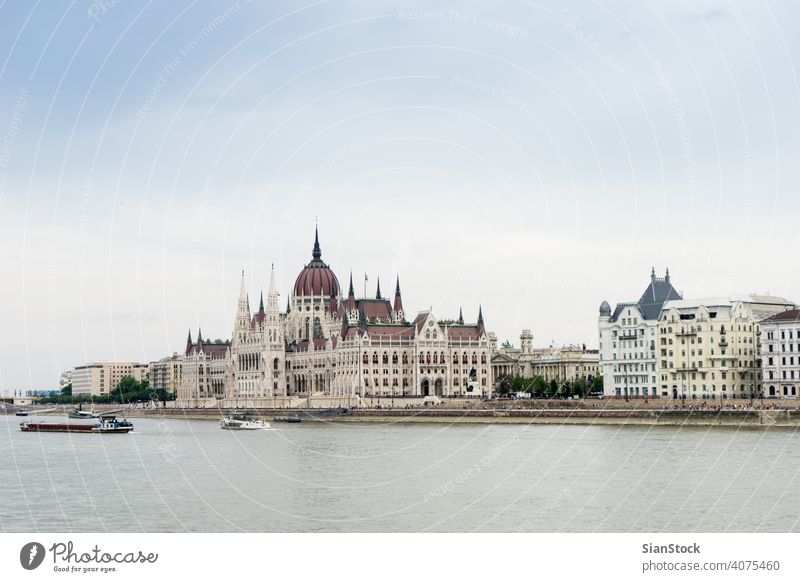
538,387
128,390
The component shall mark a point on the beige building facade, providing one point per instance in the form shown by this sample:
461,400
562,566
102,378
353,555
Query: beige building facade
100,378
562,364
711,348
166,373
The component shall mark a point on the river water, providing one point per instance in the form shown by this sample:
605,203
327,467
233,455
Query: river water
180,475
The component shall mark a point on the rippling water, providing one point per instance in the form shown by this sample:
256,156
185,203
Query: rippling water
177,475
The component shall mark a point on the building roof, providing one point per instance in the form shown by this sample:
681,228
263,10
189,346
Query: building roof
659,291
727,301
789,316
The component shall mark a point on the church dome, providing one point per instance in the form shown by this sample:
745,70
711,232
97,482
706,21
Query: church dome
317,279
605,308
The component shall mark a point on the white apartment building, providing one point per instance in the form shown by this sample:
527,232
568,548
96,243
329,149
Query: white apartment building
628,337
709,348
780,354
100,378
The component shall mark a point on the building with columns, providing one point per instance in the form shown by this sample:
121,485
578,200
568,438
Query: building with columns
562,364
628,338
332,344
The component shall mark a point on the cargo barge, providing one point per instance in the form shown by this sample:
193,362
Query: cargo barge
107,424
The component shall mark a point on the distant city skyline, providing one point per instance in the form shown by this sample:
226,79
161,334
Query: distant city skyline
532,159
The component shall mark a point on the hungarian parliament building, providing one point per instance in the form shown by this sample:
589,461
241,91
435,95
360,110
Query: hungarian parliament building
328,344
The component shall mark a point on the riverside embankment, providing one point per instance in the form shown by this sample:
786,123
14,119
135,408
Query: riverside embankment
585,416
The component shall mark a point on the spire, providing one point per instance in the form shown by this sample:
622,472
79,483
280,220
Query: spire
189,339
243,308
272,279
351,293
317,253
378,293
460,316
261,303
199,336
242,290
653,274
666,278
288,305
398,301
480,315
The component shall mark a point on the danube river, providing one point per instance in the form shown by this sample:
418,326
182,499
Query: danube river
179,475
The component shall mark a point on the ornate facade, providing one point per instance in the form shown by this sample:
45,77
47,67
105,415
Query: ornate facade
562,364
330,344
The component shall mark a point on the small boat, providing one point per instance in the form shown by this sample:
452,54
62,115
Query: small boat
242,422
294,418
108,424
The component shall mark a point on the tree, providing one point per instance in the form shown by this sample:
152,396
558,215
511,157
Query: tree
597,384
506,383
579,387
67,390
552,389
539,387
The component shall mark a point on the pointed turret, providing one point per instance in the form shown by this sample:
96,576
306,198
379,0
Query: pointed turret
261,303
398,302
199,340
460,316
242,309
189,342
351,297
288,306
378,292
666,277
653,274
272,294
480,318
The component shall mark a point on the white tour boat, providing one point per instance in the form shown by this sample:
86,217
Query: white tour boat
242,422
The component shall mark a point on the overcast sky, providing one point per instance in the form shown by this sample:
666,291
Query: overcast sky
531,158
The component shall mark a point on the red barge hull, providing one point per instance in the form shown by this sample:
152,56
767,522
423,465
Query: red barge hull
105,427
51,427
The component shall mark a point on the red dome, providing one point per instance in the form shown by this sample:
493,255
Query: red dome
316,278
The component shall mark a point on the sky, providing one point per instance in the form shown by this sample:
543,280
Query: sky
532,158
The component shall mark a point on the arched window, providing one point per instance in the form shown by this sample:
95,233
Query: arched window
455,358
464,359
275,364
307,336
385,358
474,359
394,358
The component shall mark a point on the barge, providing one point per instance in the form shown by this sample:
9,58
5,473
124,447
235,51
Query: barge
107,424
